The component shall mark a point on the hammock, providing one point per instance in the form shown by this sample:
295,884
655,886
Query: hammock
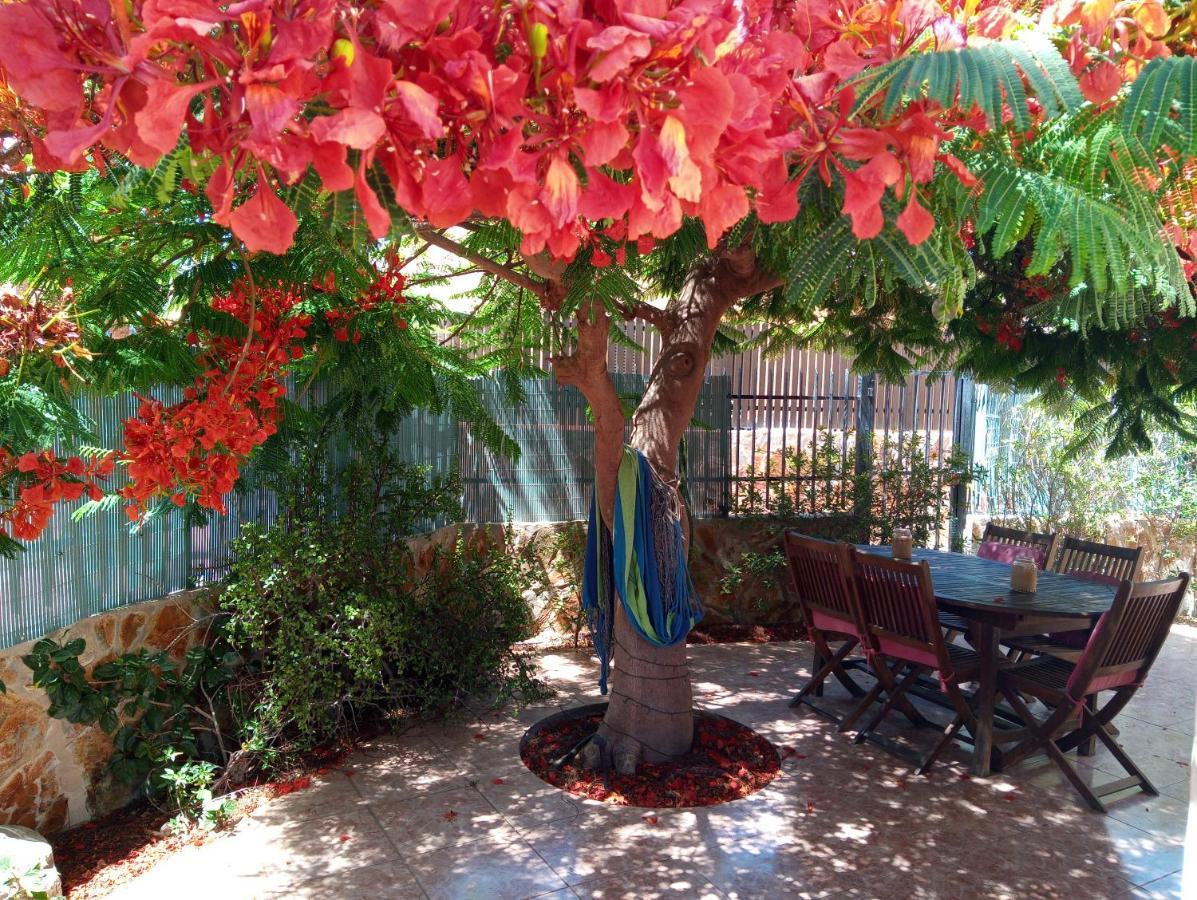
644,562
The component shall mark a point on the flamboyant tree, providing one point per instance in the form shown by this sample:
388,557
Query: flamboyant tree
911,177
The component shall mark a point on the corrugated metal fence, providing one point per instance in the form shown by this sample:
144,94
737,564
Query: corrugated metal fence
750,410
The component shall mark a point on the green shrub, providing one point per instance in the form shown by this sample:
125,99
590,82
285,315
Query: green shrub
329,609
145,701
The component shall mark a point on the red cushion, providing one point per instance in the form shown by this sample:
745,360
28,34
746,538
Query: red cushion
920,656
1007,553
825,621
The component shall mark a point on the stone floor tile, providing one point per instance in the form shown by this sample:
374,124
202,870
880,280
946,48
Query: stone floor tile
485,870
307,849
1161,816
446,819
523,796
389,880
649,885
330,794
1179,791
1170,887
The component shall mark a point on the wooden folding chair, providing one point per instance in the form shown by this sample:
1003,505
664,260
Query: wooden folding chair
1004,545
1007,544
1118,657
901,627
1104,563
1089,557
819,572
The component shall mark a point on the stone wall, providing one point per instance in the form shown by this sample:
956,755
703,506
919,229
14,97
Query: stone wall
554,552
54,774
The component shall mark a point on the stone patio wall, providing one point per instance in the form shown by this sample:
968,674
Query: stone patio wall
555,551
54,774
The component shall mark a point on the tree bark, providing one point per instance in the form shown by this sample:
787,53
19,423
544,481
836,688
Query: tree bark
650,715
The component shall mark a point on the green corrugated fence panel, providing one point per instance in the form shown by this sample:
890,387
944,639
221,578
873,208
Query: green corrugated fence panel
77,569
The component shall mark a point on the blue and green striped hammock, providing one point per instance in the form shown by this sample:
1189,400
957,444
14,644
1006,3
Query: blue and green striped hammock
642,560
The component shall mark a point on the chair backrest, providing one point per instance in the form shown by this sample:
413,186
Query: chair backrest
822,581
1080,557
897,603
1005,544
1128,638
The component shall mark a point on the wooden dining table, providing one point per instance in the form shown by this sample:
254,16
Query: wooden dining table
979,590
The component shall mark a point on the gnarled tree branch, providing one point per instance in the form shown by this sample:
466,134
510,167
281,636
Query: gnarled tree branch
437,239
586,369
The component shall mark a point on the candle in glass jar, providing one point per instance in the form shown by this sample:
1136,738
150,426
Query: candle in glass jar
1024,577
903,545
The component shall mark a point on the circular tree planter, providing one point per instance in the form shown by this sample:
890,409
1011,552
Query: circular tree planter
728,761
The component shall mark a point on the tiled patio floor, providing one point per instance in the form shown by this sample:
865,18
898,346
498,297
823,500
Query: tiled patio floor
420,816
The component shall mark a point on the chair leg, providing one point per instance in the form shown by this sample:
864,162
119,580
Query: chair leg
1124,759
1089,744
869,699
1042,739
817,662
916,718
894,696
815,683
948,734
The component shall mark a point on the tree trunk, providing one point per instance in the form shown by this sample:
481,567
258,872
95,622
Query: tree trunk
650,716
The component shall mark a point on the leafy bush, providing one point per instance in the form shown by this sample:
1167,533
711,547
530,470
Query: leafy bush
146,702
1041,478
324,620
329,608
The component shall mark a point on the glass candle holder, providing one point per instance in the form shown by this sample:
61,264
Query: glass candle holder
903,544
1024,576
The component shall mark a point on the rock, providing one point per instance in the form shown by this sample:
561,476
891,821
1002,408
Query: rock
24,730
131,630
170,629
31,864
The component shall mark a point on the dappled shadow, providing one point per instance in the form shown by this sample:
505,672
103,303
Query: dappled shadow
447,810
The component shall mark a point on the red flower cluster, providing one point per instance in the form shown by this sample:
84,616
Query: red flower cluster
41,480
562,119
1009,331
195,448
387,288
1037,288
33,325
1010,334
1110,41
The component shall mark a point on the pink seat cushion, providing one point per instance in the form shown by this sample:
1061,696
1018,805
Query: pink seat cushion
1007,553
827,622
920,656
1101,682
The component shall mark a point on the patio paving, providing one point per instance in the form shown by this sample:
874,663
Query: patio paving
420,815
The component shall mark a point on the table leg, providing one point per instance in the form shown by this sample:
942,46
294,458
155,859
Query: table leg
987,647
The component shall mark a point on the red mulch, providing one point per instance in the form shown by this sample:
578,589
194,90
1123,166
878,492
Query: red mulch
757,634
96,858
728,761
